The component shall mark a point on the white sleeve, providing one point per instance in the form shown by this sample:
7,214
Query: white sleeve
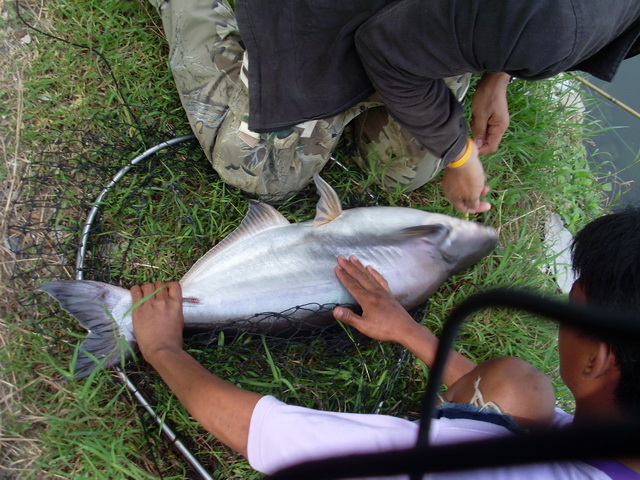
282,435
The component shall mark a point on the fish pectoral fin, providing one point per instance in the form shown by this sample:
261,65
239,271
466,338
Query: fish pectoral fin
435,232
328,207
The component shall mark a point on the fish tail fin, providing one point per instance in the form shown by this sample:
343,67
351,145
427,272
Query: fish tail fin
93,304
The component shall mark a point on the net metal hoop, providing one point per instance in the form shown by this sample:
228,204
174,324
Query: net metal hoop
82,251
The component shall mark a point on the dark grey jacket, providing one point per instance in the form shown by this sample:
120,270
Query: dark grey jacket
316,58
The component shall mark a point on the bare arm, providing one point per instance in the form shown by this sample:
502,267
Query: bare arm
220,407
383,318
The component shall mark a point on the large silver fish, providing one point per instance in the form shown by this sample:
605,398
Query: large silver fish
271,265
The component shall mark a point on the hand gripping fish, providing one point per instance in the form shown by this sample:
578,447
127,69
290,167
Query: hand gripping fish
271,265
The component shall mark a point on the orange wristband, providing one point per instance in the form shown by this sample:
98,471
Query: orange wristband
463,159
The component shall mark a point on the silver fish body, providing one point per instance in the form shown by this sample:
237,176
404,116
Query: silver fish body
271,265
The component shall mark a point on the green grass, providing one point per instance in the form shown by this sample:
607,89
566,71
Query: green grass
78,129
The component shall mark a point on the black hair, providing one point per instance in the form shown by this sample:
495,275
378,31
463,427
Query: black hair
606,259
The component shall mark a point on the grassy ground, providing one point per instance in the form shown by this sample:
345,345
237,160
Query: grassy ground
71,116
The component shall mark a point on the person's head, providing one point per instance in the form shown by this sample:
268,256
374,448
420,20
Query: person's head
606,260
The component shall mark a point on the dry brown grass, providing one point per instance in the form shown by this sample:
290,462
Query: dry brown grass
17,452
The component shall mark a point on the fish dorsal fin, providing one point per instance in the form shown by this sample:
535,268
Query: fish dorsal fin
260,217
328,207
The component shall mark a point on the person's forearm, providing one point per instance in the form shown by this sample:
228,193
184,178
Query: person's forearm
424,344
490,111
424,106
220,407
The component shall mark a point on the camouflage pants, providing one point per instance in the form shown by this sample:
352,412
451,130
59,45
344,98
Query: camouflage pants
207,61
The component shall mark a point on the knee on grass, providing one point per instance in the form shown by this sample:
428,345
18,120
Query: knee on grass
512,385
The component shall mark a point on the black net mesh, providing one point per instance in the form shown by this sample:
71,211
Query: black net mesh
154,223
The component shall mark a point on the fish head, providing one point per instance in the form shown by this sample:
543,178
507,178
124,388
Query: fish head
428,248
458,243
452,242
464,243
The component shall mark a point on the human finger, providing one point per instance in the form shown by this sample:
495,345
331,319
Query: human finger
477,206
136,293
352,271
379,278
479,125
174,290
481,207
346,315
160,289
365,295
357,270
352,284
471,204
148,289
493,139
352,264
